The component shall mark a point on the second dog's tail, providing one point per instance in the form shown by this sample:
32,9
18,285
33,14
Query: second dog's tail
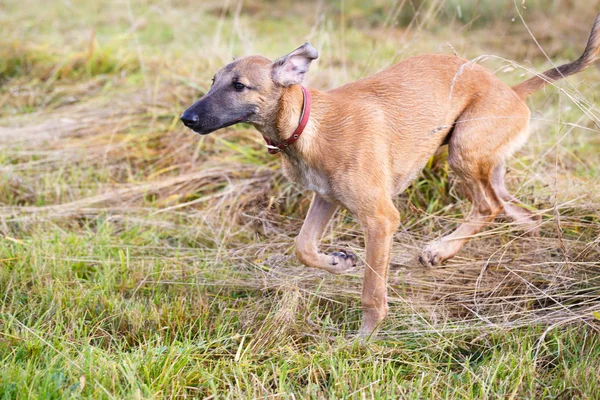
590,55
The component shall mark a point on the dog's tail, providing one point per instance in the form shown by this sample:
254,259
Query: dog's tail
590,55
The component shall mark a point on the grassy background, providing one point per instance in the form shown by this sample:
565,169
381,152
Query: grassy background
138,260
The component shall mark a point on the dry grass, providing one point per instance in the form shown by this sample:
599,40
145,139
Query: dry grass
139,260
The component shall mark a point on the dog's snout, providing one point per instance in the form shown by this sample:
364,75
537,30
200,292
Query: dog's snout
190,120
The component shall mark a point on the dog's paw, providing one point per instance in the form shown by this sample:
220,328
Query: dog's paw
532,229
342,261
434,254
429,259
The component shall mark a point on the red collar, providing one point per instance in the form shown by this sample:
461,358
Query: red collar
305,114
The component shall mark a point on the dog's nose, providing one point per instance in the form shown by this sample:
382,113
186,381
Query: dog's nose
189,120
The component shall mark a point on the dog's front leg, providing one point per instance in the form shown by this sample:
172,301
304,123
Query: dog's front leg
307,242
379,226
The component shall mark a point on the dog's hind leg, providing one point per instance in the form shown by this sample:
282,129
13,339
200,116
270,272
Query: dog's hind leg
476,152
513,208
307,242
486,205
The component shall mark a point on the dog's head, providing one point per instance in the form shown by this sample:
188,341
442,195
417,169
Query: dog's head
247,90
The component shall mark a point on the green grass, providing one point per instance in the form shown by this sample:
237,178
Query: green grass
116,310
138,260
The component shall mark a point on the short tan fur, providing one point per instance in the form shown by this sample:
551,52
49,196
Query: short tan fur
366,141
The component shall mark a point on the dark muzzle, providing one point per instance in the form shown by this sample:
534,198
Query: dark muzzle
189,119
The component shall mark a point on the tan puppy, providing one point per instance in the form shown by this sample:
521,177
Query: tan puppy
366,141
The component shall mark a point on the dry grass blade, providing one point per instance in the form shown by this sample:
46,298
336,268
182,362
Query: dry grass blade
151,262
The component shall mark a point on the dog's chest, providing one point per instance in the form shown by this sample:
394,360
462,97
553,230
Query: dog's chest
300,172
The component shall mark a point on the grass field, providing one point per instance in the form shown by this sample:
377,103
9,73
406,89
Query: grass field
138,260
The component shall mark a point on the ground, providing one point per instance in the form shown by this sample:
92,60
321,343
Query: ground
139,260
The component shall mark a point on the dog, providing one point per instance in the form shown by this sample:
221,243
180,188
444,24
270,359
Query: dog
360,144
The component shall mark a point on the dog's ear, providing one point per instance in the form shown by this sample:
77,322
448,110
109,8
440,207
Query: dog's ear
290,69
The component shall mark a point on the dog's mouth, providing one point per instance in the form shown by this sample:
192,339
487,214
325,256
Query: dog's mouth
201,131
204,127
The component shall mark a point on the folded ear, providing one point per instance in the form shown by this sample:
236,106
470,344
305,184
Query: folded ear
290,69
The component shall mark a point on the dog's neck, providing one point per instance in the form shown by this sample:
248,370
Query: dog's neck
284,120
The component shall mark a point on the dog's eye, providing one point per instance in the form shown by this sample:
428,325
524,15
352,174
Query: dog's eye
238,86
